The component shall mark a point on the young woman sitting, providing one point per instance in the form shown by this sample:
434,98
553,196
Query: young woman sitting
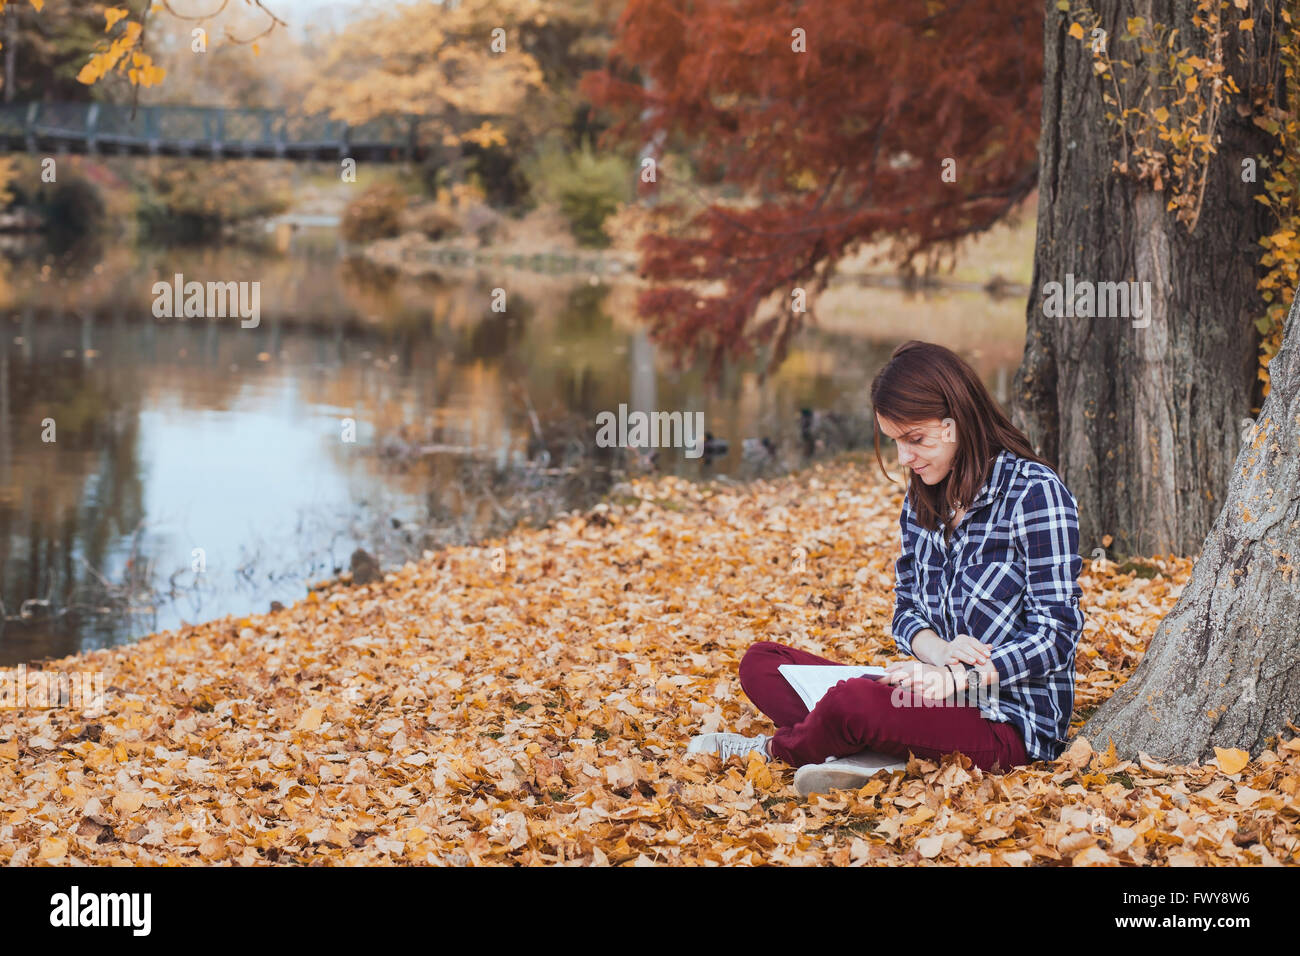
986,599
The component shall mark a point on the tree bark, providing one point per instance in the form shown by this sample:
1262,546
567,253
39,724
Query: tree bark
1142,422
1222,667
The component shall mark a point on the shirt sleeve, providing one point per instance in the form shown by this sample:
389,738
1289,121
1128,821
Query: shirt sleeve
1045,526
908,616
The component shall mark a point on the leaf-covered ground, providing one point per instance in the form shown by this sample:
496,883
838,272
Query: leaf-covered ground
532,705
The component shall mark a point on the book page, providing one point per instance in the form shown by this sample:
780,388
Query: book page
811,681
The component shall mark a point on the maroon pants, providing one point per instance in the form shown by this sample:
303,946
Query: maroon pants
858,714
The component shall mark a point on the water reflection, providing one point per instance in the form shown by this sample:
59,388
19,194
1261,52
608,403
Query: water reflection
201,469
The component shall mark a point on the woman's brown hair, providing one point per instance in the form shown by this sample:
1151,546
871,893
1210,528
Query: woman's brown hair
923,381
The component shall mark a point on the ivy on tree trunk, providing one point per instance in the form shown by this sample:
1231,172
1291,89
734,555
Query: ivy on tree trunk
1143,419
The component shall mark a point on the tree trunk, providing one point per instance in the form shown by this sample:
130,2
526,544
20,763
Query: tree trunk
1142,422
1221,669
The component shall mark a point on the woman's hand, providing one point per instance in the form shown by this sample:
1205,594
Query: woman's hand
932,681
963,649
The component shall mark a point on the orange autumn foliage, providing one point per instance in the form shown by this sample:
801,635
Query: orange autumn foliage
457,714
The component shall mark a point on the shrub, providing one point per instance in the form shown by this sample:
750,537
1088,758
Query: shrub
481,221
585,187
191,199
73,206
375,214
433,219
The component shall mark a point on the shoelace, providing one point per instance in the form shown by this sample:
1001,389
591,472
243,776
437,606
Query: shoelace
742,746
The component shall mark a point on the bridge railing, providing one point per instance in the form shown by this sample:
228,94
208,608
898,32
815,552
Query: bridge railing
215,131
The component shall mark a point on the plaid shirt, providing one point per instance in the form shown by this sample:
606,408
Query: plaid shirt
1009,578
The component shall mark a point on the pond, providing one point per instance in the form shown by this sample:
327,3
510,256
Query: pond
162,471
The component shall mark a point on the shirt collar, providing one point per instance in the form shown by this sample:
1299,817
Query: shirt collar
996,484
997,480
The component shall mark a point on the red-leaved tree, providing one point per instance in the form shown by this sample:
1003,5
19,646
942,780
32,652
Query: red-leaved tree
837,121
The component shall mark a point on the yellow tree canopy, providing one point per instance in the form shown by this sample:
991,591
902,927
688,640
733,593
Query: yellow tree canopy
431,59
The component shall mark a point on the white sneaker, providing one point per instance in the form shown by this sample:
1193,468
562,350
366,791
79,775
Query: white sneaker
844,773
727,745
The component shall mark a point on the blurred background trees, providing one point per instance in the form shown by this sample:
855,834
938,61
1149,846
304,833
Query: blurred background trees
748,148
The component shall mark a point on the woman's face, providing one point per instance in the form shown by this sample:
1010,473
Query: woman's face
927,447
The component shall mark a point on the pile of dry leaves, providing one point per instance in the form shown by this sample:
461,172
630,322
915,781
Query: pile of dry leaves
529,701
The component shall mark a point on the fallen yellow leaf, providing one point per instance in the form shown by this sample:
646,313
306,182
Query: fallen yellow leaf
1231,761
758,772
128,802
920,816
930,846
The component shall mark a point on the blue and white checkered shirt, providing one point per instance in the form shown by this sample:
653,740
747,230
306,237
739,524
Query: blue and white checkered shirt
1008,578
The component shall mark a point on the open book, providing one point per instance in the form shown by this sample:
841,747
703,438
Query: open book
812,681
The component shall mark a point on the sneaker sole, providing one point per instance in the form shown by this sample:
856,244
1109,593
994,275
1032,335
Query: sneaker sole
848,773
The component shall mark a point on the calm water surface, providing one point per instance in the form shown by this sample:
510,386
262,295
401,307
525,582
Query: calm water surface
200,469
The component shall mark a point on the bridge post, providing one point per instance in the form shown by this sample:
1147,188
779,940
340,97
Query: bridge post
92,128
275,139
218,139
151,133
282,141
29,126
